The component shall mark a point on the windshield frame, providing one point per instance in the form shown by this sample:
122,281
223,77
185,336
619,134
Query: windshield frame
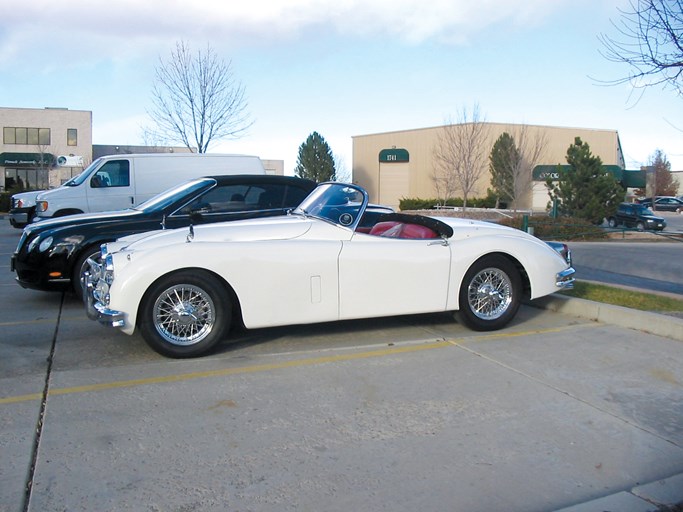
186,191
323,204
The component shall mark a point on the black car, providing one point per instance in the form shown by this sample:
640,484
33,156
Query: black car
52,254
664,204
636,216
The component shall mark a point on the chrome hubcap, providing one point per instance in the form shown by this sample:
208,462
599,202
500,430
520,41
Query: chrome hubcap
184,314
489,294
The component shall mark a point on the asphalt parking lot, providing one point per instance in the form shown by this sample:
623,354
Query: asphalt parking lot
558,410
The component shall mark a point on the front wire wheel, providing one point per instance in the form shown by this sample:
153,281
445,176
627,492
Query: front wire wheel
490,294
185,314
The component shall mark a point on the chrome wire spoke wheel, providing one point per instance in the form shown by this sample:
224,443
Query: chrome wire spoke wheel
184,314
490,294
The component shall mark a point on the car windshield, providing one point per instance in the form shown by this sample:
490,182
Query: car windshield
77,180
644,210
185,190
338,203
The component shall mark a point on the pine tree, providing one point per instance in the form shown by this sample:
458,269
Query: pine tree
585,190
503,160
315,161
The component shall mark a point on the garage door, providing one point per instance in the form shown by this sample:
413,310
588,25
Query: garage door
393,183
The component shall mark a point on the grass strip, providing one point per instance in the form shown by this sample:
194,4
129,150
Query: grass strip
623,297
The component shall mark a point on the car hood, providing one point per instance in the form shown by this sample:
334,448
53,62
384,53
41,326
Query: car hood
273,228
83,218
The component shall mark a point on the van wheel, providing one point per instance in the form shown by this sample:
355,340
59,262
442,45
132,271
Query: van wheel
185,314
64,213
640,226
612,222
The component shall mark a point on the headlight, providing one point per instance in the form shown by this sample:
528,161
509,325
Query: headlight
45,244
41,206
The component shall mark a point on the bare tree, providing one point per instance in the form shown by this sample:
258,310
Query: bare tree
341,171
531,148
460,155
197,100
649,42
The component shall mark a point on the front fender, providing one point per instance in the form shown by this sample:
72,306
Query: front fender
540,262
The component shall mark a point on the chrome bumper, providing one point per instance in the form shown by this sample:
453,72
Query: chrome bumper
98,311
565,280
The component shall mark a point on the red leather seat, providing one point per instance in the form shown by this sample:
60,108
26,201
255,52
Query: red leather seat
381,227
392,229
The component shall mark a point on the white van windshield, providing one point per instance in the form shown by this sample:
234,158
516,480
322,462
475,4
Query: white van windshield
74,182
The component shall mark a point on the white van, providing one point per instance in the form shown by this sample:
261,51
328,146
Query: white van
115,182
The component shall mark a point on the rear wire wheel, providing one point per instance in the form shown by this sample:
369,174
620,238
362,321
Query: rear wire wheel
490,294
185,314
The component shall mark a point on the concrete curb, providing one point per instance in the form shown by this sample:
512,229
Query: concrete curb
645,321
657,496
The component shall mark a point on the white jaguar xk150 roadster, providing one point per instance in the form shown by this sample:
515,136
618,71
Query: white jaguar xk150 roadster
327,260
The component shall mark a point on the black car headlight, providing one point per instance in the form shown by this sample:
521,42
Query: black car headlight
43,244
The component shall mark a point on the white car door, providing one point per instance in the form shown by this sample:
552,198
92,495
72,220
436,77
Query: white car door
111,187
388,276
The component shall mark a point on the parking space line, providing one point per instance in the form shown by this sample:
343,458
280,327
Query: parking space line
311,361
226,371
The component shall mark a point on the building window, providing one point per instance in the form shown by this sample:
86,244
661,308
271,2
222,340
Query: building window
72,137
9,136
26,136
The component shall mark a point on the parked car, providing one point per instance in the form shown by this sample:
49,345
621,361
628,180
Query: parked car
664,204
115,182
637,216
185,288
51,254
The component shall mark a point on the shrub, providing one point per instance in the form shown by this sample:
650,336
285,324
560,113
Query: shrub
5,201
562,228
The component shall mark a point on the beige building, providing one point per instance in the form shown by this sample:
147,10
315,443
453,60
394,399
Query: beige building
394,165
35,140
44,147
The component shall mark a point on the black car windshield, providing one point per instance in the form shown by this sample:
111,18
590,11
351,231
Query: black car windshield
644,210
338,203
186,190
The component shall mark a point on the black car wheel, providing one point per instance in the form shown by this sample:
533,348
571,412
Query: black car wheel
640,226
185,314
490,294
81,267
612,222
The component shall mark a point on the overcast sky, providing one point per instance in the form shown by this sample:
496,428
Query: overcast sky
338,67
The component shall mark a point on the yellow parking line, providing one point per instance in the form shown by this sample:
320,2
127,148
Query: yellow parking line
283,365
224,372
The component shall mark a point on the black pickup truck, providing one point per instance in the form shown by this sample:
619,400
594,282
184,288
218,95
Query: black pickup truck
636,216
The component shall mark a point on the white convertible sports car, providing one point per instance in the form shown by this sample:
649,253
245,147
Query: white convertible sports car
325,261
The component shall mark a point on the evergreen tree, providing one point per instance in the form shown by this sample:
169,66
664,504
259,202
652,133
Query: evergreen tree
585,190
503,160
315,161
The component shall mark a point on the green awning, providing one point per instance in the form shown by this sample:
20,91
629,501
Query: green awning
26,159
394,155
627,178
